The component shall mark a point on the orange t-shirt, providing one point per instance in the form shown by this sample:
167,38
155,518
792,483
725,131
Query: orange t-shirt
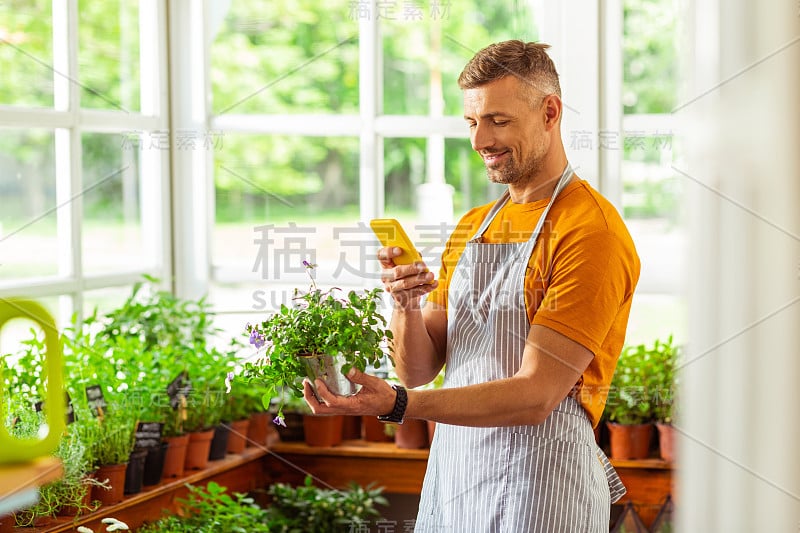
581,275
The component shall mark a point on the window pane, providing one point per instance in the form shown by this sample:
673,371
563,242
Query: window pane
112,231
290,57
26,53
104,300
426,45
108,54
650,56
657,316
28,241
284,199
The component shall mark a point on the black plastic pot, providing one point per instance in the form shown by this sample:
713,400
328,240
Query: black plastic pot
219,444
134,473
154,464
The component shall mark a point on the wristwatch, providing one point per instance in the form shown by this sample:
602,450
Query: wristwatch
400,404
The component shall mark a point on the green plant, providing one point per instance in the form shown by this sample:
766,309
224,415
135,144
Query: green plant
314,510
115,439
71,488
158,318
212,509
661,368
643,384
319,324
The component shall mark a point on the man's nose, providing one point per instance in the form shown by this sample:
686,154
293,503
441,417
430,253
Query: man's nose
482,137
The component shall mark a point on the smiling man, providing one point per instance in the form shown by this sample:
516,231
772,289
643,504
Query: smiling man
528,318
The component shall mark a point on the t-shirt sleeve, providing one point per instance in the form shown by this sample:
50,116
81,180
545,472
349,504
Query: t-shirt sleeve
590,279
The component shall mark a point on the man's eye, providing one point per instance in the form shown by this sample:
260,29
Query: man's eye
500,122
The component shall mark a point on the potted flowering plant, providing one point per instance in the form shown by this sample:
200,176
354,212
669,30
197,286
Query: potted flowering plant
322,335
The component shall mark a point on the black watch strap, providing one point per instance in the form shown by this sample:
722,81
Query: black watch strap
400,404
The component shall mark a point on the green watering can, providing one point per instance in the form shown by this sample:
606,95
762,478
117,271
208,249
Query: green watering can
15,450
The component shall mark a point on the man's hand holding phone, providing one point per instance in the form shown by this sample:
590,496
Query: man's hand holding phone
405,276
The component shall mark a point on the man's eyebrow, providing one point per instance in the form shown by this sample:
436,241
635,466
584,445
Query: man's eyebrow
490,115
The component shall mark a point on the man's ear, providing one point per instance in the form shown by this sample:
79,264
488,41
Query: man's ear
552,109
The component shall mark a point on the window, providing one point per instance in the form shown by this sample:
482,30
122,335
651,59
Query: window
84,149
339,113
652,189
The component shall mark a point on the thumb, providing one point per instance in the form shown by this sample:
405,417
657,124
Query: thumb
357,376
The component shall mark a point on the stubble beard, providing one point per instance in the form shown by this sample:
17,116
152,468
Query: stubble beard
514,174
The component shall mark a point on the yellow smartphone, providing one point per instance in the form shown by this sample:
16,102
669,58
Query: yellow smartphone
391,233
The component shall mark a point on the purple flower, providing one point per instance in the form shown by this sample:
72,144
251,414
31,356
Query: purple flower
306,264
228,380
278,420
257,339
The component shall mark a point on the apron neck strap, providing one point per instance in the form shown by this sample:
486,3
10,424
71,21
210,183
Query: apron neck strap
566,176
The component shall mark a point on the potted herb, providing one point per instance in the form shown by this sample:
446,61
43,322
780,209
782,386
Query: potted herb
112,451
629,409
322,335
237,409
664,358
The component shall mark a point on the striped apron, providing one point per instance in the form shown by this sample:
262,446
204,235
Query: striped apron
547,478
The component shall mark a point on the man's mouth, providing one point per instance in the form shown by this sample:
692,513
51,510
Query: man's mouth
494,158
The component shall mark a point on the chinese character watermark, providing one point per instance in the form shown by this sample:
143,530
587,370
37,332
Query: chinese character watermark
615,140
405,10
160,140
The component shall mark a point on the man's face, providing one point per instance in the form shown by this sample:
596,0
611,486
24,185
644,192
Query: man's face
507,130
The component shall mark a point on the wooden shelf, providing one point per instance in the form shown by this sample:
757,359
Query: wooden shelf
239,473
648,481
383,464
17,479
20,477
399,471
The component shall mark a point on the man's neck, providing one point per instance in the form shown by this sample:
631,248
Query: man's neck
541,185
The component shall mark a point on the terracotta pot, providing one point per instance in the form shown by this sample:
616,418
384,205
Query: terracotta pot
219,444
175,456
412,434
323,430
630,441
351,428
373,430
237,436
197,449
257,432
44,522
431,429
666,441
115,474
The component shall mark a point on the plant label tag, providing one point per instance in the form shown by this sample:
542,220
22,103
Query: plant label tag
148,435
179,387
97,403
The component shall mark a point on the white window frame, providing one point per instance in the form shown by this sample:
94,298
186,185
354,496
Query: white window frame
69,122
